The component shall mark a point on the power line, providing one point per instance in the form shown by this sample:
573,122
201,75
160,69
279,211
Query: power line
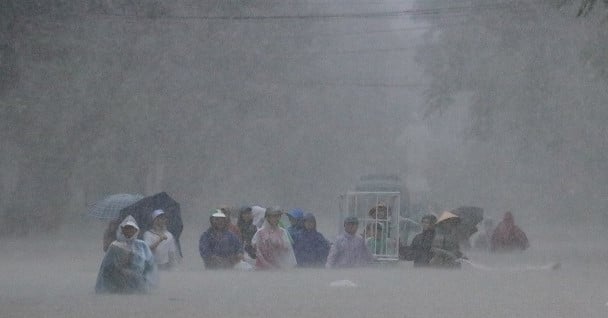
362,15
393,49
396,30
361,84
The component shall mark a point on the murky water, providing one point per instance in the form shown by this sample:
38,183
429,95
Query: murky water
55,278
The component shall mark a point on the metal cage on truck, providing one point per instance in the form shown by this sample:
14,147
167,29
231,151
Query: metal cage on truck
378,215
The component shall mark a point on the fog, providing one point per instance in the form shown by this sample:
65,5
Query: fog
289,103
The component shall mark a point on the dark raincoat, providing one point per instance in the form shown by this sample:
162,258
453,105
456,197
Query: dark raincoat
294,230
420,249
311,247
223,244
508,237
247,230
445,247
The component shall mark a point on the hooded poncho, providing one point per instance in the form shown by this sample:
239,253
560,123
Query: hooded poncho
311,248
507,236
349,250
128,266
273,248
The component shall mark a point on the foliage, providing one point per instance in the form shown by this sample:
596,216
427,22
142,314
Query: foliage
56,64
587,6
109,98
533,77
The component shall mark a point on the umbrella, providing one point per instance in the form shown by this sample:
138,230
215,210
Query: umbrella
470,216
142,210
109,207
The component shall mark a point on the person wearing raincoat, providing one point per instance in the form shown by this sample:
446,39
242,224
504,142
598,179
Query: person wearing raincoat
234,229
420,249
161,242
296,223
219,247
128,266
247,229
258,213
311,247
508,237
445,246
349,249
273,248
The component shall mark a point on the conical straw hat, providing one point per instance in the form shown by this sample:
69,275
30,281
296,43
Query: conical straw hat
446,215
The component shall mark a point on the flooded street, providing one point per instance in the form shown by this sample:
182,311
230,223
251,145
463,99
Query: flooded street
56,279
290,103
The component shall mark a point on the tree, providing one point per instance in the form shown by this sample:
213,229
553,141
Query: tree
524,72
586,7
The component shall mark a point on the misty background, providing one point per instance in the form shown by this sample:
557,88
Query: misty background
499,104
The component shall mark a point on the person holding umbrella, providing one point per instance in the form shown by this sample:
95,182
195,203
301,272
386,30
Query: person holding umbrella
161,241
109,209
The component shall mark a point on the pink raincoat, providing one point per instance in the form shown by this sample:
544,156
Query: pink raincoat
273,248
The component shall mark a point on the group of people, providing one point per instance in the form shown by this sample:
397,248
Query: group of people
438,243
130,264
506,237
260,241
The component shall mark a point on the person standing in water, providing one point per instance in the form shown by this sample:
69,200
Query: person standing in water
273,248
219,247
247,229
311,248
349,249
445,246
420,248
128,266
161,241
508,237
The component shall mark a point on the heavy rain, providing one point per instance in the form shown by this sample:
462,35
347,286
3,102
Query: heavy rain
297,104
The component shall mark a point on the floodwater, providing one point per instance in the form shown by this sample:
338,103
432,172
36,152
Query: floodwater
54,277
334,82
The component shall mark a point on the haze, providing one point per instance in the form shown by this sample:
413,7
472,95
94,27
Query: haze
498,105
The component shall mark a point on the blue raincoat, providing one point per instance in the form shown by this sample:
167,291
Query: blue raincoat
128,266
295,229
311,248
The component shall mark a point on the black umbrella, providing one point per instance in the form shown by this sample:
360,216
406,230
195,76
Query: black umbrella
142,210
469,216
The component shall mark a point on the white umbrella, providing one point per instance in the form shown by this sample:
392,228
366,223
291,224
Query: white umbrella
109,207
